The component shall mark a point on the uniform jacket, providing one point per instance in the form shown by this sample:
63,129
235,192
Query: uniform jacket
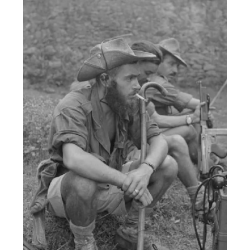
79,119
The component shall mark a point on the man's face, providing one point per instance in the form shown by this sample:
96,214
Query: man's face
169,67
121,95
146,69
127,83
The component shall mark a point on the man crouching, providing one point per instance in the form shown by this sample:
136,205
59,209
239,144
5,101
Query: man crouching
89,131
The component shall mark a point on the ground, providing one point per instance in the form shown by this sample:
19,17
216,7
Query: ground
171,224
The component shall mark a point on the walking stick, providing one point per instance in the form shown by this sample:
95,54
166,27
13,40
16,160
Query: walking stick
143,100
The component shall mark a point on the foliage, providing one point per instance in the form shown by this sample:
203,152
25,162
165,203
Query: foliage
36,123
59,34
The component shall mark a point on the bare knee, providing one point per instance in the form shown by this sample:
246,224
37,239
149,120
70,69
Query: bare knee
75,185
169,167
191,133
176,143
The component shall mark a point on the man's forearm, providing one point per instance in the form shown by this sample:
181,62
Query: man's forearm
88,166
193,103
158,149
164,121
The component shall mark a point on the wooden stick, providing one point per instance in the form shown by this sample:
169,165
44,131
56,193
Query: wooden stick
142,97
141,222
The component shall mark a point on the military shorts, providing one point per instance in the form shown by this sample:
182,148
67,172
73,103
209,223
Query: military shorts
109,197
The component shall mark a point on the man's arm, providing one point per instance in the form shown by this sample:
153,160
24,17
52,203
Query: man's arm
158,149
157,152
164,121
180,100
193,103
88,166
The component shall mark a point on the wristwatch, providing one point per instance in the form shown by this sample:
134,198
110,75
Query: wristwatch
188,119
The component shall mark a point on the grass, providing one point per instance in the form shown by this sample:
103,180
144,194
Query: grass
171,223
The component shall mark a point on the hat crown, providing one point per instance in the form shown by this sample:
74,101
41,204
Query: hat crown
108,55
112,45
171,45
117,45
98,53
96,49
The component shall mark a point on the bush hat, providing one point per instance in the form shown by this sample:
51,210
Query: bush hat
172,46
109,55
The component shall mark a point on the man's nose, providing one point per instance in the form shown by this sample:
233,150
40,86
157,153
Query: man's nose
136,85
175,69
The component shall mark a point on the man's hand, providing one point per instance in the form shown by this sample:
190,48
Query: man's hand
145,199
196,115
135,185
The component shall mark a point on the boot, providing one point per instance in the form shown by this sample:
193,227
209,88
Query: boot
127,236
83,237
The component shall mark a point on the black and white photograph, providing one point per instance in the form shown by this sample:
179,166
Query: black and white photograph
125,124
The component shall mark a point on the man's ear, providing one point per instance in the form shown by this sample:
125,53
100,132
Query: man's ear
104,78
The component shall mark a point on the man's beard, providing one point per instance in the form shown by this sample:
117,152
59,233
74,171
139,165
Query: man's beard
118,103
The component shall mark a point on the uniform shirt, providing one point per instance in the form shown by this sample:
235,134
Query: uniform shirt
162,103
79,119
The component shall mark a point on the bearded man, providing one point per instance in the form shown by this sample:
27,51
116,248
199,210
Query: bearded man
87,172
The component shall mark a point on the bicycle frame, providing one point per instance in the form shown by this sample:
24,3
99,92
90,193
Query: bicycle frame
206,140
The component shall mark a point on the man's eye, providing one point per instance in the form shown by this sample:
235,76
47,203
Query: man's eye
148,73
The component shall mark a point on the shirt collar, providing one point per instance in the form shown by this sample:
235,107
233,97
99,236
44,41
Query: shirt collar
97,112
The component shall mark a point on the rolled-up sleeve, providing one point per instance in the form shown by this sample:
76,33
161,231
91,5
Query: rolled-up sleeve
152,130
69,127
174,97
150,108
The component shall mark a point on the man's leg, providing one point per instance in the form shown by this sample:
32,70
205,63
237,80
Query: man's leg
178,149
187,172
159,182
189,133
162,179
78,195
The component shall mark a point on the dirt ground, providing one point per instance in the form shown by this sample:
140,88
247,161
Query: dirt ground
171,223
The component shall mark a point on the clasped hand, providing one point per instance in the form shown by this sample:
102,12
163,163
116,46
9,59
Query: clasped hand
196,114
135,185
